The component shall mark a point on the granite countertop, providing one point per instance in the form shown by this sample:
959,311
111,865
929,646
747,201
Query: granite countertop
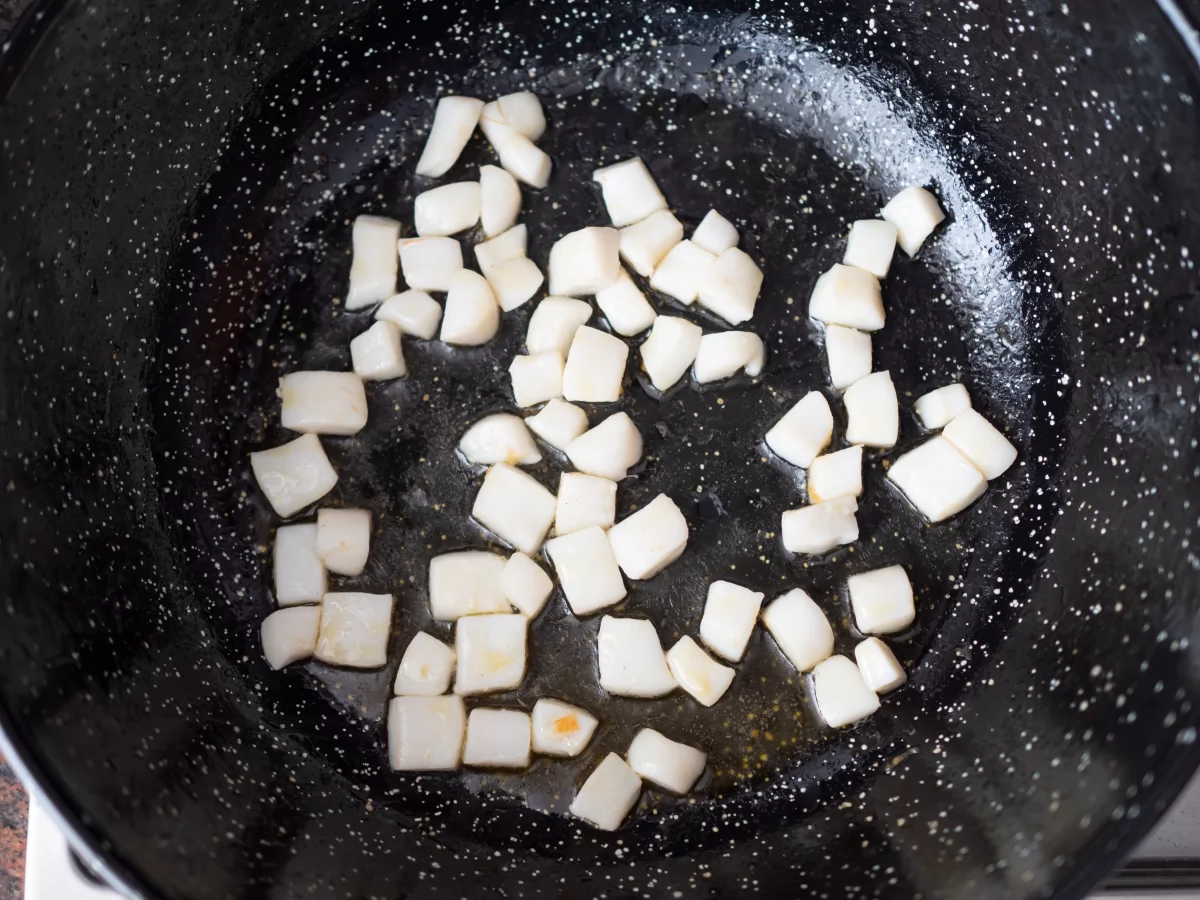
14,808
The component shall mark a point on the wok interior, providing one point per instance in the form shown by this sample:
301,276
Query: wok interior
158,717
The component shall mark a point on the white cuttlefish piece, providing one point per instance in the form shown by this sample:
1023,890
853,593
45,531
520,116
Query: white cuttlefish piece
682,271
500,438
821,527
630,193
697,672
872,411
454,122
587,570
558,423
715,233
731,285
644,245
554,323
323,402
938,480
447,210
355,629
377,355
515,507
466,583
425,734
800,628
939,407
344,539
373,268
491,653
804,431
561,729
426,668
848,296
585,262
871,246
498,738
595,367
525,585
536,378
300,575
842,694
879,667
664,762
670,350
413,312
651,539
472,315
430,264
834,475
290,635
608,450
916,213
522,111
730,613
721,355
882,600
608,795
584,501
848,352
499,200
297,474
981,442
632,662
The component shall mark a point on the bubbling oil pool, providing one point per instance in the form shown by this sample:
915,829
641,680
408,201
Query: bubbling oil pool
792,201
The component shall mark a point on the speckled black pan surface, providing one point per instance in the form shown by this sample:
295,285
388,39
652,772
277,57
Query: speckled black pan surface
176,191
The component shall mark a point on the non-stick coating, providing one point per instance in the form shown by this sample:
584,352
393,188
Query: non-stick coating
176,192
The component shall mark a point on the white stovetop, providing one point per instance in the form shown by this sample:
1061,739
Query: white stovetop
50,873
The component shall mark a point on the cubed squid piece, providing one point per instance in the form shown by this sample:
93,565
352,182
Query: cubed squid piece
882,600
377,355
731,286
354,630
585,262
632,662
730,612
447,210
554,323
425,734
561,729
454,122
466,583
821,527
651,539
323,402
721,355
981,442
644,245
595,367
373,268
800,628
916,213
430,264
491,653
848,352
344,539
608,795
536,378
519,156
584,501
872,411
715,233
558,423
670,350
525,585
522,110
587,570
500,438
669,764
841,692
697,672
290,635
413,312
298,474
682,271
848,296
804,431
625,306
300,576
871,246
508,245
879,667
834,475
515,281
515,507
498,739
499,200
937,479
609,450
426,668
472,314
630,192
939,407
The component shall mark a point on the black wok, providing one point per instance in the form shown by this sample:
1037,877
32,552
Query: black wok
177,184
